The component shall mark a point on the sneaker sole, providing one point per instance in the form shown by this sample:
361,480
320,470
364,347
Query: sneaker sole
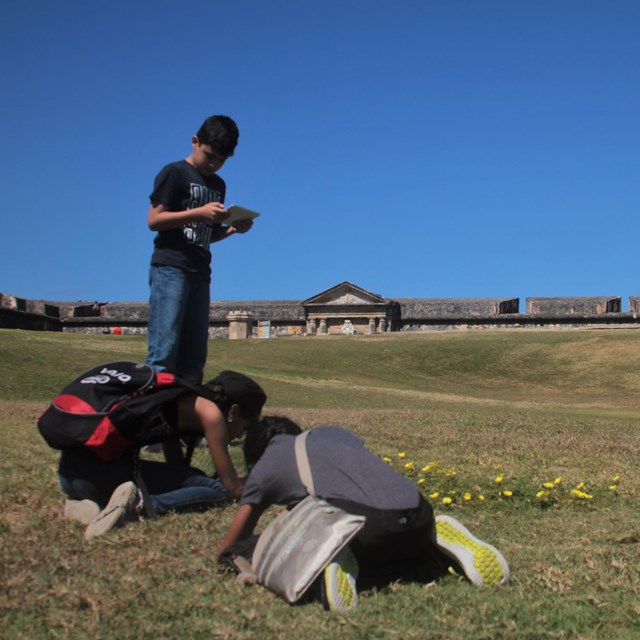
82,511
340,582
114,514
483,564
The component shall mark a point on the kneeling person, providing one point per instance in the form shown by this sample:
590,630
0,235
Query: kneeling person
104,495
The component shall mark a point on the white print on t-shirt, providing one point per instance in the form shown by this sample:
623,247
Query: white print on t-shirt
199,233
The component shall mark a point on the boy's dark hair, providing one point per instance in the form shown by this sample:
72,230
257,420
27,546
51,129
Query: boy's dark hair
220,133
261,433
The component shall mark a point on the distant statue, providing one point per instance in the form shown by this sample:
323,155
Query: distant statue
347,328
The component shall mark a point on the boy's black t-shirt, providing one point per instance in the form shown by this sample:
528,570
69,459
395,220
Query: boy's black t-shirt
180,186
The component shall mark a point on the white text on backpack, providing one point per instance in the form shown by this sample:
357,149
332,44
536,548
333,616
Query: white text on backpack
105,376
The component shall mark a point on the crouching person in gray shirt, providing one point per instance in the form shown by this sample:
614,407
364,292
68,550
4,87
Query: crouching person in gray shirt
400,524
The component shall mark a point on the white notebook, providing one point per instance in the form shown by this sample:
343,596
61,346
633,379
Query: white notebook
239,213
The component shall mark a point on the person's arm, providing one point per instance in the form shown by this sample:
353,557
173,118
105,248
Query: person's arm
203,416
160,219
242,526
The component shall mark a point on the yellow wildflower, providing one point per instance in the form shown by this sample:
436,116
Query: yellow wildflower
421,481
467,496
549,485
581,494
408,466
542,494
447,500
427,467
507,493
580,485
499,478
613,487
387,459
557,480
434,495
616,479
481,498
402,454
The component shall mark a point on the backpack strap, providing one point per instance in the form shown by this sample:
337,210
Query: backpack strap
149,509
302,460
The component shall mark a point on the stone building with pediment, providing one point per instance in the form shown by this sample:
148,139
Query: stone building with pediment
346,308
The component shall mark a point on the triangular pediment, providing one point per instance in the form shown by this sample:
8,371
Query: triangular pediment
345,293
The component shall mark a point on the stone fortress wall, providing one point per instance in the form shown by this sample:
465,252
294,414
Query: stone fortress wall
342,309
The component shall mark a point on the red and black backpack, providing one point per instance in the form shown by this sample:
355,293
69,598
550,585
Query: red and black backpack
115,407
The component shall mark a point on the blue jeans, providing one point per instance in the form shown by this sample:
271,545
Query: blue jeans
178,322
172,487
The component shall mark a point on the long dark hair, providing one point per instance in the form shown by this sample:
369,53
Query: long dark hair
260,434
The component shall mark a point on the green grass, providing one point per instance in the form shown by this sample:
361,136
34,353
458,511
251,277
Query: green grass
463,408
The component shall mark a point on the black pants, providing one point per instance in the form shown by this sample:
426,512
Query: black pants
394,534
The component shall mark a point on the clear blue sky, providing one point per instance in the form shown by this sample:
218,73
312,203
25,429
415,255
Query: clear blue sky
417,148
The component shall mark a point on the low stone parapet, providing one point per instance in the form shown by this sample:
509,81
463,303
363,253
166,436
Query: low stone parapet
7,301
274,310
31,315
125,311
523,321
430,308
585,305
232,319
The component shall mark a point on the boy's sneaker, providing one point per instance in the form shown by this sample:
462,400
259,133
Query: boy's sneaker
83,511
481,563
125,504
338,585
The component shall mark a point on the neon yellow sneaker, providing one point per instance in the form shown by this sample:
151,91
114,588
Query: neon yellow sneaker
482,564
338,587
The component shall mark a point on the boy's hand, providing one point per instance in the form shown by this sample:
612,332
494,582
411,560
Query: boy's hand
214,212
242,226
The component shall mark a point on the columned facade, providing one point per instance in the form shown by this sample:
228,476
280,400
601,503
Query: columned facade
348,309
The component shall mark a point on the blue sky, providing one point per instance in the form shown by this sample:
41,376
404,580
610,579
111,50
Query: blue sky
420,148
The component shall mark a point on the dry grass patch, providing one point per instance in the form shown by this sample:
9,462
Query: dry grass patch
574,561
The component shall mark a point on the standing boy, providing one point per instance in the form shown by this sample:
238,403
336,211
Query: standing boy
187,210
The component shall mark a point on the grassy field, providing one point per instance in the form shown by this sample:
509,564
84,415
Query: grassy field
529,438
